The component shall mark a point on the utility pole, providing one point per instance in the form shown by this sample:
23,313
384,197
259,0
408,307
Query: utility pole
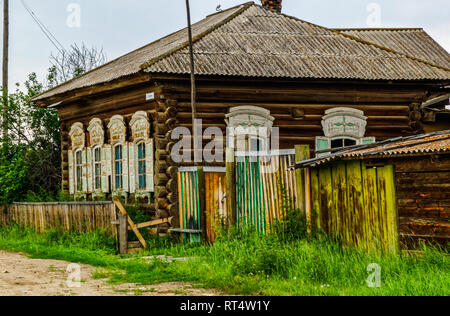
5,66
193,87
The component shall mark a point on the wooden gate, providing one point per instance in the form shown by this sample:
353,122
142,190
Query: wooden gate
265,188
202,190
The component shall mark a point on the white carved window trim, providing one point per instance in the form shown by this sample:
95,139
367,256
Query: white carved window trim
141,137
117,120
93,124
138,117
357,118
249,123
77,128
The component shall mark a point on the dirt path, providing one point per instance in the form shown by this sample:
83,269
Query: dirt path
22,276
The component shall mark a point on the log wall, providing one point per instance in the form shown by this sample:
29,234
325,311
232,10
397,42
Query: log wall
297,107
423,194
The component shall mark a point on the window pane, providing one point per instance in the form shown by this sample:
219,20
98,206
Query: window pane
97,154
350,142
337,143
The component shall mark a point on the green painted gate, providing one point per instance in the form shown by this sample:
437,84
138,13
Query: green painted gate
265,183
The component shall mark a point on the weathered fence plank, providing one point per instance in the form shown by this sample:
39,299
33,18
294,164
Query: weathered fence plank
357,204
71,216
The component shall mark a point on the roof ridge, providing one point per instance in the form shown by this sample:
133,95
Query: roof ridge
360,40
245,6
396,29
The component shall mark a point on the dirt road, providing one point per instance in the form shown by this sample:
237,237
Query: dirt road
22,276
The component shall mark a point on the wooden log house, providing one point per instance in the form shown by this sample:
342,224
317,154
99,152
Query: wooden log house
252,63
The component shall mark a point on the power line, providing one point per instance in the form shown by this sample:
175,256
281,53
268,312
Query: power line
44,29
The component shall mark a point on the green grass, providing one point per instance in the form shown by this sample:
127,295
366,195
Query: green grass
245,263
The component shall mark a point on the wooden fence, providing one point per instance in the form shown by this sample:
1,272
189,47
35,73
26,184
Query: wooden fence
265,186
357,204
189,199
74,216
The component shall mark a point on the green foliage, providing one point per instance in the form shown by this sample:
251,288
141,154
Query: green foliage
30,157
30,154
294,225
13,176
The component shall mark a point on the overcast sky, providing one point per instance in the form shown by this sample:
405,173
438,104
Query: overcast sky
120,26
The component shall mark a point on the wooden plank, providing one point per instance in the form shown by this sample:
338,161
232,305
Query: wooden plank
355,228
153,223
130,222
123,233
302,152
231,185
326,201
202,202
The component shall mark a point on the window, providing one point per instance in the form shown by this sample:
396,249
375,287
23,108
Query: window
342,127
342,142
251,127
118,166
97,169
79,171
142,181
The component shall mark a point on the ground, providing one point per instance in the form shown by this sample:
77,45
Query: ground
23,276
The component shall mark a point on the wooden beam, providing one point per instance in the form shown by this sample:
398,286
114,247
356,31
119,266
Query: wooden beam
130,221
202,202
231,185
153,223
123,234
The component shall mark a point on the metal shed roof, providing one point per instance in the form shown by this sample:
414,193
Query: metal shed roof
425,144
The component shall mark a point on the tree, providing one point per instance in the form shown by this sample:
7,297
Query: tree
73,63
30,155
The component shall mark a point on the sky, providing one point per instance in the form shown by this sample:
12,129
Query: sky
120,26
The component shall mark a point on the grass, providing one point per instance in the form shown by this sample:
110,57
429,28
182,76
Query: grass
245,263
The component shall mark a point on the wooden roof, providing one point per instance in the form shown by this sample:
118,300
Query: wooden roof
251,41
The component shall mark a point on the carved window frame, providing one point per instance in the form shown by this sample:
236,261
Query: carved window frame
249,123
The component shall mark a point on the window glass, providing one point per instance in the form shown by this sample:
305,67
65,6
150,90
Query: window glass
118,167
342,142
97,168
79,170
142,166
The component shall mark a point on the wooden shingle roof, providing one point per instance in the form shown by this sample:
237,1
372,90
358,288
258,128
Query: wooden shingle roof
251,41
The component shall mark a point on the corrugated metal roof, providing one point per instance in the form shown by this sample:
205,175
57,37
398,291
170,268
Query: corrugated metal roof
433,143
411,41
250,41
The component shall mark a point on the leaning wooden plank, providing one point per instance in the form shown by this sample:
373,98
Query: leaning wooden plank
130,222
153,223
